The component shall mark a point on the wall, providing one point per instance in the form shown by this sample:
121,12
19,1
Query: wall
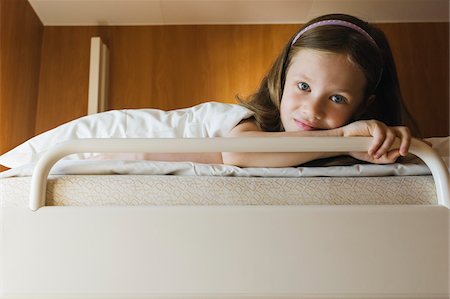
421,52
64,76
170,67
20,51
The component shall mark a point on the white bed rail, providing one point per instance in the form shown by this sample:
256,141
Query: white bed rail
249,144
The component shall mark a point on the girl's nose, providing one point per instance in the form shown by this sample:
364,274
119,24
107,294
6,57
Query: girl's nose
313,109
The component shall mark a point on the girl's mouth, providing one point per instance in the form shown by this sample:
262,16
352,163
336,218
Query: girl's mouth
303,125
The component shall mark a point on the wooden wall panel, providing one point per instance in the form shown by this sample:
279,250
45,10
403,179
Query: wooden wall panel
171,67
64,76
20,50
421,52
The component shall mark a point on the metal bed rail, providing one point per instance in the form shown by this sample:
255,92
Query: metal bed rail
437,167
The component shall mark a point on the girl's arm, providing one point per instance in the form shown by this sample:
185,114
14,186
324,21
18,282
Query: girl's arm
248,128
379,152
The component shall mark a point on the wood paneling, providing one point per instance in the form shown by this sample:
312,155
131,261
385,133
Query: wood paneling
421,52
180,66
64,77
171,67
20,50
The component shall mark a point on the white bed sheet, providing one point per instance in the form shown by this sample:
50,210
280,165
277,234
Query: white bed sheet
136,167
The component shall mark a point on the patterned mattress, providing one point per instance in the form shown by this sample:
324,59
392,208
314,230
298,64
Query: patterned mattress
112,190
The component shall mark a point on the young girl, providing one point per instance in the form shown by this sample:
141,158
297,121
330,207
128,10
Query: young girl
335,77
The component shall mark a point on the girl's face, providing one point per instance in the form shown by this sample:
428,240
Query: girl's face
323,90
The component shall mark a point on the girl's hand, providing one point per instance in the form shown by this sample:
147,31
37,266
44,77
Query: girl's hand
380,151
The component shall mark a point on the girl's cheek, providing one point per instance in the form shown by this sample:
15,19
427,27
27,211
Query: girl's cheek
332,123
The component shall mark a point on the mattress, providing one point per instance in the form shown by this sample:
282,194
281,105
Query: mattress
135,190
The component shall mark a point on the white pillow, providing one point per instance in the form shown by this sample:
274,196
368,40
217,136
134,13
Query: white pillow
210,119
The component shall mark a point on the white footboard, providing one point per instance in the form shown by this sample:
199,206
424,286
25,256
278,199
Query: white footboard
225,252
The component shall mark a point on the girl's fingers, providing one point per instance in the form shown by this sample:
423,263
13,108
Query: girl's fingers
383,138
387,143
387,158
389,136
393,155
405,136
379,135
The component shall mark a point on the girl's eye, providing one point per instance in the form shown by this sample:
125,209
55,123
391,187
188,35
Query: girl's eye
338,99
303,86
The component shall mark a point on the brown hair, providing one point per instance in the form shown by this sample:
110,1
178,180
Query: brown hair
376,62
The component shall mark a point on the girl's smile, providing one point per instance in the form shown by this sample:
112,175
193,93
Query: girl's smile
303,125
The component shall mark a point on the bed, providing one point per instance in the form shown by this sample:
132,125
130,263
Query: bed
205,243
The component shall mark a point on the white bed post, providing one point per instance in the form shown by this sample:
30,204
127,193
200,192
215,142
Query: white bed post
98,76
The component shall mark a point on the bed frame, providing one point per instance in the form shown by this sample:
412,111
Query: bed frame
383,251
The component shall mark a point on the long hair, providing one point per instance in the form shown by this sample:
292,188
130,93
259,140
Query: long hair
375,61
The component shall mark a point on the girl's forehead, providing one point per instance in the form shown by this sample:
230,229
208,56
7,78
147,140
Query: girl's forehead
312,58
326,64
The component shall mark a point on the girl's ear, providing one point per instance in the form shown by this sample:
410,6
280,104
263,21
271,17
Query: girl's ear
363,108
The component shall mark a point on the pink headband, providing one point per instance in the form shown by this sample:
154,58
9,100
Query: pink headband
337,23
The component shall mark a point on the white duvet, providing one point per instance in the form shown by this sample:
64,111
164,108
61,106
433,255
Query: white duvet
211,119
